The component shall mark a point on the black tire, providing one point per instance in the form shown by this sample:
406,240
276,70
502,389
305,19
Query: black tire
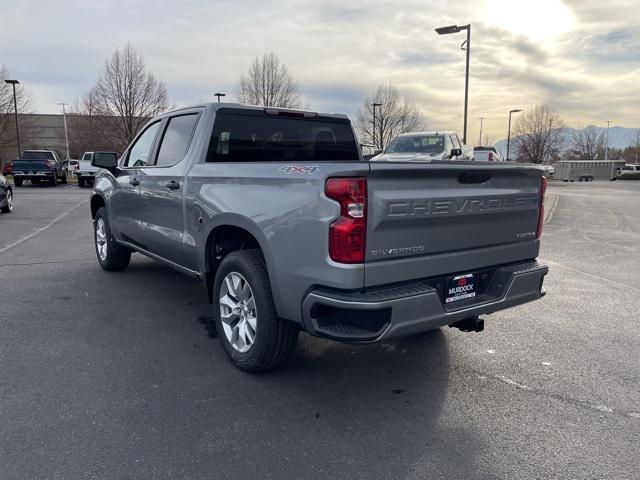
9,206
117,257
53,181
275,339
64,180
17,183
81,183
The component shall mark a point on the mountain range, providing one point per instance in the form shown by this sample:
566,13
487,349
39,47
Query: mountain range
619,137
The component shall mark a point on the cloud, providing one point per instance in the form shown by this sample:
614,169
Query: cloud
340,51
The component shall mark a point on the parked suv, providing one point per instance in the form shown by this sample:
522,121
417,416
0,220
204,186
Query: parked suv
290,229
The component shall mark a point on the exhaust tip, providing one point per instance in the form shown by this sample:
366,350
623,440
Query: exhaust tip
471,324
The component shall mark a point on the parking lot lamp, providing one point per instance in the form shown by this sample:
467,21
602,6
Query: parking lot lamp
509,134
13,83
465,46
218,94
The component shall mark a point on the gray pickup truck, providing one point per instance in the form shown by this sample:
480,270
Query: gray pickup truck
290,229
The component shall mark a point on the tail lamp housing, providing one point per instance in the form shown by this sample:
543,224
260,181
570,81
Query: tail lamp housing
543,189
347,234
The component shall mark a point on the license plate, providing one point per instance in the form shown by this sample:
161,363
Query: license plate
461,287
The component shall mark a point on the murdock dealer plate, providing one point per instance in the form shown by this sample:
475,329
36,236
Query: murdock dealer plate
461,287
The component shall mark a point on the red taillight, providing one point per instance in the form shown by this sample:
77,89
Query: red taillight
49,163
543,189
348,233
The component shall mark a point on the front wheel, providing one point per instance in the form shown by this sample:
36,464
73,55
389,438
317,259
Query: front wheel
253,336
111,256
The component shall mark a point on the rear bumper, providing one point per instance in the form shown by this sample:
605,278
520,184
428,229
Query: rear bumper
412,307
29,176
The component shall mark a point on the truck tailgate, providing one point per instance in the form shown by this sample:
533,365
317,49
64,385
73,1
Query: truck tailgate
442,218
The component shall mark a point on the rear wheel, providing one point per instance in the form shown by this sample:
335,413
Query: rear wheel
17,182
81,183
252,335
53,181
9,207
64,179
111,256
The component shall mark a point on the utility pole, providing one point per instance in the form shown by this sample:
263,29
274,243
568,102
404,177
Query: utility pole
375,105
13,83
637,145
480,140
66,135
606,148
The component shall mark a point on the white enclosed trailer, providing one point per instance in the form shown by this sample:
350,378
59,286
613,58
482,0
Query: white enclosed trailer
587,170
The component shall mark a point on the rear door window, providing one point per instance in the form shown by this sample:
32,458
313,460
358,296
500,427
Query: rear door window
176,139
242,137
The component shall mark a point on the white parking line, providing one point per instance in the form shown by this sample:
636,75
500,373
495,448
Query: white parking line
38,230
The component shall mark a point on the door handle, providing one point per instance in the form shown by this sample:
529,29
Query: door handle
172,185
134,181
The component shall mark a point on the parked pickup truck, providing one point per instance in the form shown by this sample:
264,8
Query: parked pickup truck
425,147
290,229
86,171
39,166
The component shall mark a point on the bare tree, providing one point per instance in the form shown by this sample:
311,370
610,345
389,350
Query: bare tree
396,115
91,131
8,136
586,143
488,140
268,82
127,93
538,134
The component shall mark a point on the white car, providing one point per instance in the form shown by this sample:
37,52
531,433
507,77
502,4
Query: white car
425,147
487,154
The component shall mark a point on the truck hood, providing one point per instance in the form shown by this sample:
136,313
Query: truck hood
408,157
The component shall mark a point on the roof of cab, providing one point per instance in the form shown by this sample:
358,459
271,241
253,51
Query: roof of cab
216,106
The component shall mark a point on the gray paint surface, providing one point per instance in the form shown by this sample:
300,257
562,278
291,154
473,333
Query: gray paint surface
289,215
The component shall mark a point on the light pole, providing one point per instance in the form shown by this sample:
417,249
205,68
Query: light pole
480,140
375,105
606,147
66,135
509,134
218,94
13,83
467,47
637,144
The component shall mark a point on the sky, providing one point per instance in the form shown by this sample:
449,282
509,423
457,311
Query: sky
580,56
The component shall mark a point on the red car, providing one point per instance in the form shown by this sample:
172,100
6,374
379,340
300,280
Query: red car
6,168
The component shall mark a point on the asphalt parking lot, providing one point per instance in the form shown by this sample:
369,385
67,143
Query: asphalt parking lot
119,375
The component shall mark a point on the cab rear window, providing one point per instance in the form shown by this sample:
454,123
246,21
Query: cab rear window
257,137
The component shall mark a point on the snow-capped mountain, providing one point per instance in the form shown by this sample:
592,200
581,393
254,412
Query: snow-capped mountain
619,137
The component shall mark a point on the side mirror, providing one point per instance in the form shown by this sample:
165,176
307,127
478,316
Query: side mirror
456,152
106,160
377,151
